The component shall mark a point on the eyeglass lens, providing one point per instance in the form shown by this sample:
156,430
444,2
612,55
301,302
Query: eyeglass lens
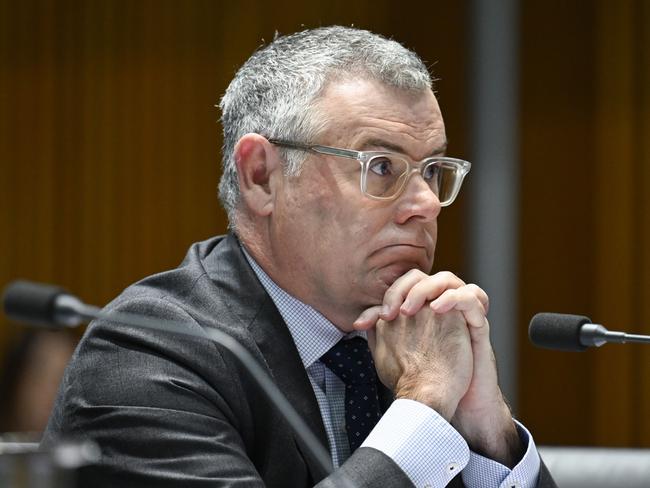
387,174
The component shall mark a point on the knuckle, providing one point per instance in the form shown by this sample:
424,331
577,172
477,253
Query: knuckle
445,275
450,277
476,289
480,294
423,284
451,294
402,286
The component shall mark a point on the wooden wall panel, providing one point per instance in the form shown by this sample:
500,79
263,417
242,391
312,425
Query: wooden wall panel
556,217
585,236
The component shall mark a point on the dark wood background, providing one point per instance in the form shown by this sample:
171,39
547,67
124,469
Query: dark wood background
110,146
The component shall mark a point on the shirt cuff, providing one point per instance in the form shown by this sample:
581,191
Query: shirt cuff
423,444
482,472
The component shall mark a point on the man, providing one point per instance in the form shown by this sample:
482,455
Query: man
333,177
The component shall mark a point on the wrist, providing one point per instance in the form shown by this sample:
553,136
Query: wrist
433,397
493,435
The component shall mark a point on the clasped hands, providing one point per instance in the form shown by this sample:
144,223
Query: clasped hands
430,342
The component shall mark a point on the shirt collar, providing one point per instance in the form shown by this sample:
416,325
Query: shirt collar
312,333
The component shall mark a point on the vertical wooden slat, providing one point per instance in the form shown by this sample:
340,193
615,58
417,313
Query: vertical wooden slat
557,224
33,122
617,221
643,155
98,153
65,117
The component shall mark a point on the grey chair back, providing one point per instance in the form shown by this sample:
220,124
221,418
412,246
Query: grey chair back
591,467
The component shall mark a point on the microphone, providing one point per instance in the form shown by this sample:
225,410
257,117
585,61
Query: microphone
564,332
45,305
52,306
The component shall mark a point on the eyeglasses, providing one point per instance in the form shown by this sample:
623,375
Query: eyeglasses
384,174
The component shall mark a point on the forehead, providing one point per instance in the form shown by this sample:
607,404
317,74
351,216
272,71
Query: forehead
359,111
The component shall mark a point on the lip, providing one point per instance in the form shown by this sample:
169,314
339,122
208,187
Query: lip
405,248
405,253
406,244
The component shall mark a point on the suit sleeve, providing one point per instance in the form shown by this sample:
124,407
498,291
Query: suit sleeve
367,468
146,398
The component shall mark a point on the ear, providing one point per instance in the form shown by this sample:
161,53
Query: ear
258,168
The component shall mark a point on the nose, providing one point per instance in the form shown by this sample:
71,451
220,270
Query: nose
417,201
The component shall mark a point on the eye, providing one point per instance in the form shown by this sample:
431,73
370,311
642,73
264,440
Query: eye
431,172
382,166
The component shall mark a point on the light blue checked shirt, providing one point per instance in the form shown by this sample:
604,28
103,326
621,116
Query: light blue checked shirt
423,444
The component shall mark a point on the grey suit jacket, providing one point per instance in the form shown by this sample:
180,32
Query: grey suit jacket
170,410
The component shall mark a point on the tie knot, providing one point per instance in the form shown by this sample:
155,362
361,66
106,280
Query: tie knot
351,361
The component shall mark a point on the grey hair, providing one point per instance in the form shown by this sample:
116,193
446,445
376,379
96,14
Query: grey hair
275,92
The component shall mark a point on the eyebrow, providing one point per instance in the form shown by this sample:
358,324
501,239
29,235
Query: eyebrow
374,143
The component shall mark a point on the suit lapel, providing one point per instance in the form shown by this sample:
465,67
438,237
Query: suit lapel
250,303
276,344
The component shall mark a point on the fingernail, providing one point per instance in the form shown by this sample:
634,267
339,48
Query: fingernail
385,311
406,306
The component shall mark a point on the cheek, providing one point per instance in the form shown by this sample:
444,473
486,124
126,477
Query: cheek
331,221
308,224
351,238
318,208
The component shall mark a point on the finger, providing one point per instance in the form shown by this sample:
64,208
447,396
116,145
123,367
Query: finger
396,293
465,301
367,319
446,301
428,289
472,305
480,334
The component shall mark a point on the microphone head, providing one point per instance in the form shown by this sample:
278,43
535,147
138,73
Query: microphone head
557,331
33,303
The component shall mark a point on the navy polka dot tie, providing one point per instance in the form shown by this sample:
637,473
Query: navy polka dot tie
351,361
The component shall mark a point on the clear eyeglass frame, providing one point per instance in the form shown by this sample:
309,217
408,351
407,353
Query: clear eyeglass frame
459,167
